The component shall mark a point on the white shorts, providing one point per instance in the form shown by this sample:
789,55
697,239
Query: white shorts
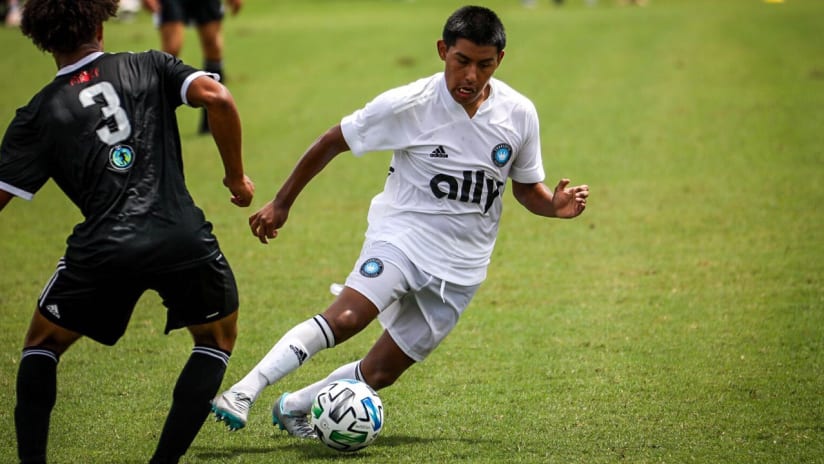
416,308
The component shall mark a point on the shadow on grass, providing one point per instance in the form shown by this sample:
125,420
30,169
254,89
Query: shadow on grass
231,451
313,449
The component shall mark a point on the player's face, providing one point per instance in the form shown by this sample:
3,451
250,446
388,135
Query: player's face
468,68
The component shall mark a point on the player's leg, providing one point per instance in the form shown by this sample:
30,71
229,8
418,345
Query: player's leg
171,37
385,363
385,352
74,303
348,322
380,277
209,18
414,326
375,282
171,20
37,385
211,43
196,385
378,286
380,368
204,300
346,316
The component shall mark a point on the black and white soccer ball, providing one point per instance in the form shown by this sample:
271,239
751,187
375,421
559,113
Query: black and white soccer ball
347,415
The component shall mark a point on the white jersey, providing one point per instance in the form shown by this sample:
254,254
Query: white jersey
442,200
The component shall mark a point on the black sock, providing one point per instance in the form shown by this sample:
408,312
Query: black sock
214,67
196,386
36,394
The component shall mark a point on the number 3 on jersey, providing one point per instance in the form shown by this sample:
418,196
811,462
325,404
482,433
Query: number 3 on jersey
111,109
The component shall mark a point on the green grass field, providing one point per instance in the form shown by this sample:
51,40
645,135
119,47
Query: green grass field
680,319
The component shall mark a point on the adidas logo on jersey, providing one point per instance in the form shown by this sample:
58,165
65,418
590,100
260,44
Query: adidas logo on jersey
439,153
52,308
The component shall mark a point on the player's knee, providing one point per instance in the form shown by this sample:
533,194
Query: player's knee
226,339
45,334
221,334
346,323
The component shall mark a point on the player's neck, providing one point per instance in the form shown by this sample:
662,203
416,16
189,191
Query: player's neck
473,107
65,59
95,44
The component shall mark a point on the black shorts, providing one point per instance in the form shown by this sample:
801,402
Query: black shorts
191,11
100,306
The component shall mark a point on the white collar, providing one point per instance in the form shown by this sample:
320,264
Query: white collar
78,64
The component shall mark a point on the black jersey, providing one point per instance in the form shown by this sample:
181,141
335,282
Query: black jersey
105,130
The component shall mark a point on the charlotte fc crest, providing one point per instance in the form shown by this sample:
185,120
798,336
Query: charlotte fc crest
501,154
372,267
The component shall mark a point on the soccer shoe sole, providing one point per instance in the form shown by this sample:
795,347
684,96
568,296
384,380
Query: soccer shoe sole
232,421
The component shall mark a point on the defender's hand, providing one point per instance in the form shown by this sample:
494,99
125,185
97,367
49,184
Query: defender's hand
266,222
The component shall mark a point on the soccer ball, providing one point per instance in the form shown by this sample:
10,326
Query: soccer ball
347,415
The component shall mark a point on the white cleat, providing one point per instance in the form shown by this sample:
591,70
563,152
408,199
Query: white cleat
232,408
295,423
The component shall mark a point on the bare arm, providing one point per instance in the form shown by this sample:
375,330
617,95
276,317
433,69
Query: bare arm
5,198
224,123
563,202
271,217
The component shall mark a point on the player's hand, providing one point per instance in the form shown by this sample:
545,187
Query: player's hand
243,191
152,5
234,6
569,202
266,222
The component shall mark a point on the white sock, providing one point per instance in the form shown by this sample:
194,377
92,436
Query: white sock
290,352
300,402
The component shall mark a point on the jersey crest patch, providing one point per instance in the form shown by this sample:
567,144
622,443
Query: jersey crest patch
501,154
372,267
121,158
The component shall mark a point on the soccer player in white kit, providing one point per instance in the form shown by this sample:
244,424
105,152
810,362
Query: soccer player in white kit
456,136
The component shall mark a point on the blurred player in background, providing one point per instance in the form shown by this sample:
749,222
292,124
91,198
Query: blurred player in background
128,10
457,137
11,12
172,16
105,131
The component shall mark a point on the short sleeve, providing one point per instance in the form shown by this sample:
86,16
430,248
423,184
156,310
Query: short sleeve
177,76
375,127
528,167
24,166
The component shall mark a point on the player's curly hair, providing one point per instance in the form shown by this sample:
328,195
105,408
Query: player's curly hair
477,24
62,26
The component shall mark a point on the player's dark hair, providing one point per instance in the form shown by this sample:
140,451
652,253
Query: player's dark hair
477,24
64,25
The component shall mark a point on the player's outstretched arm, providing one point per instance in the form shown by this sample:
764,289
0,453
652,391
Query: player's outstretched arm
266,222
224,123
564,202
